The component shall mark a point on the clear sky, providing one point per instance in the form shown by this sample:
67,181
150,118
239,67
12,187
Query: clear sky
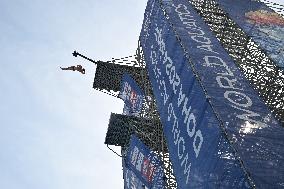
52,123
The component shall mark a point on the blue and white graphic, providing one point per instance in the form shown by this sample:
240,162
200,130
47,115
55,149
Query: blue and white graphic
131,94
146,165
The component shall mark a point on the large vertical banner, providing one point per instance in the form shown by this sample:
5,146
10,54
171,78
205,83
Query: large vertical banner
204,102
145,164
132,95
201,156
261,23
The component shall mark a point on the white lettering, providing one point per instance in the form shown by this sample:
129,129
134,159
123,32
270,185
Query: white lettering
185,110
207,48
167,64
134,155
186,167
139,161
192,119
172,74
201,39
183,147
176,83
239,98
198,147
230,82
181,96
248,117
217,61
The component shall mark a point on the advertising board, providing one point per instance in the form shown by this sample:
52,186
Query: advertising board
131,94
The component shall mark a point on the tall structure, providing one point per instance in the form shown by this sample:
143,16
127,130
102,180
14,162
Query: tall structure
213,81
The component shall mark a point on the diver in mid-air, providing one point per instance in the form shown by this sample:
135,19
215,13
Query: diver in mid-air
78,68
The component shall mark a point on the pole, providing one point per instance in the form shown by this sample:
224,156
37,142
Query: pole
75,54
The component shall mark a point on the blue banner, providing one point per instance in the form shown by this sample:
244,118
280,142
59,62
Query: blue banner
261,23
201,156
130,179
204,101
131,94
146,165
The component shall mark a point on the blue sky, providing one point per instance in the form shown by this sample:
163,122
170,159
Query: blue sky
53,123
